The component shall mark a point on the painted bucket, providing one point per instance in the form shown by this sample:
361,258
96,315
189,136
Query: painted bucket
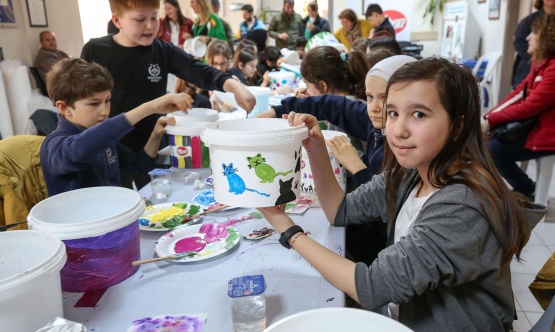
282,78
30,288
262,95
255,162
100,229
186,148
307,181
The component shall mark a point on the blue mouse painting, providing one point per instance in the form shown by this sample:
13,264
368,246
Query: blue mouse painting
236,183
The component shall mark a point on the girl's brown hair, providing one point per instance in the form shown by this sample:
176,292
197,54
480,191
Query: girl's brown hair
71,80
218,47
243,56
348,14
119,7
544,28
465,158
342,73
204,10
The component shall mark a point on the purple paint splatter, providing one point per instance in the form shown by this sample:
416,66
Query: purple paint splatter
180,323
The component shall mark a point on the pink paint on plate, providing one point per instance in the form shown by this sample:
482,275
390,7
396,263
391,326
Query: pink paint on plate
193,243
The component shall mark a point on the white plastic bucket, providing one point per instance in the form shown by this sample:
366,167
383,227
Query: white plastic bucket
307,181
262,95
30,288
255,162
195,115
186,148
282,78
195,47
100,230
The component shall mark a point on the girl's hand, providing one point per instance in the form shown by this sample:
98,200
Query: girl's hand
277,218
315,138
204,39
301,93
346,153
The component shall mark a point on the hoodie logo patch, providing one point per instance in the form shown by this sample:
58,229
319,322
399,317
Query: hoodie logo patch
110,156
154,71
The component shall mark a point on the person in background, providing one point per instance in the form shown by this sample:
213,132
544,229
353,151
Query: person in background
250,22
269,60
244,67
521,66
532,98
378,55
218,55
352,28
380,31
84,150
387,43
175,28
361,45
300,44
455,225
48,54
199,100
374,14
284,28
208,25
140,63
246,43
215,4
313,23
260,37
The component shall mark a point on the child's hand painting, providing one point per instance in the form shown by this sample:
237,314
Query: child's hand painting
172,102
244,98
345,152
276,217
315,137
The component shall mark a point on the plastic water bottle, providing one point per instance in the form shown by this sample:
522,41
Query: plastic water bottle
248,304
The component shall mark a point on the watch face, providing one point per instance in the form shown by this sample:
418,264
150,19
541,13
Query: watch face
285,236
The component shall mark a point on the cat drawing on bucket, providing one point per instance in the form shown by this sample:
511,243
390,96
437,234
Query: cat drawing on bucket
286,193
265,172
236,183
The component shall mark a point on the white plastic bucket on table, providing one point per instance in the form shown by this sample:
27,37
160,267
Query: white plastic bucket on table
307,181
186,148
30,288
282,78
337,319
255,162
195,115
99,227
262,95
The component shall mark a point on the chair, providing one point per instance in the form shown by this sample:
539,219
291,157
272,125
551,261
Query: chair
21,181
41,85
544,171
337,319
489,85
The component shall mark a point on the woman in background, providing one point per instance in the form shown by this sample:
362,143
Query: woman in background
351,28
208,26
174,28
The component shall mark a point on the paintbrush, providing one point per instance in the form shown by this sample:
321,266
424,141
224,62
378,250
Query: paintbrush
187,254
200,214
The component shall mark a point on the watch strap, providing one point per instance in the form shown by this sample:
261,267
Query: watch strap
285,236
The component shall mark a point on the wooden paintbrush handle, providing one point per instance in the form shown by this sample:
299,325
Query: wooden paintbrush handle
144,261
219,208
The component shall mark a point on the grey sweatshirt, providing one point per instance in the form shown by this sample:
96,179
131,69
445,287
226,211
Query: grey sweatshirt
446,274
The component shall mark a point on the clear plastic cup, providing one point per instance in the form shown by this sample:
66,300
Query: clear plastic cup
248,304
161,183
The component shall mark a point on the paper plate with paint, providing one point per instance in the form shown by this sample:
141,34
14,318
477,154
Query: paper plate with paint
207,201
167,216
208,240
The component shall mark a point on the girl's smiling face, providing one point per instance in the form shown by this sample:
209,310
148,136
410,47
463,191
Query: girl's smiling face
417,124
138,27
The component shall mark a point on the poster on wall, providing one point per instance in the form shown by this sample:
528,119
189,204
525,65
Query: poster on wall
399,13
7,14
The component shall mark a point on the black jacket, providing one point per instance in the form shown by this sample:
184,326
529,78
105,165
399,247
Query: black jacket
320,24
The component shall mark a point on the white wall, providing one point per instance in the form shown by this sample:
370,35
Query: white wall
22,42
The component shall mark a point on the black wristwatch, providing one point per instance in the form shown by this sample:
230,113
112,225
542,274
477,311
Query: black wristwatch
285,236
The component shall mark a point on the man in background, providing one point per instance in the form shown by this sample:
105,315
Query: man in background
251,22
374,14
48,54
284,28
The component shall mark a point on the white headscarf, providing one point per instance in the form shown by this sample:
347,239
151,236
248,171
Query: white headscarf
387,67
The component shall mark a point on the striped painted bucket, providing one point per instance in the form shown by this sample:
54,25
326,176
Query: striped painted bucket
186,148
